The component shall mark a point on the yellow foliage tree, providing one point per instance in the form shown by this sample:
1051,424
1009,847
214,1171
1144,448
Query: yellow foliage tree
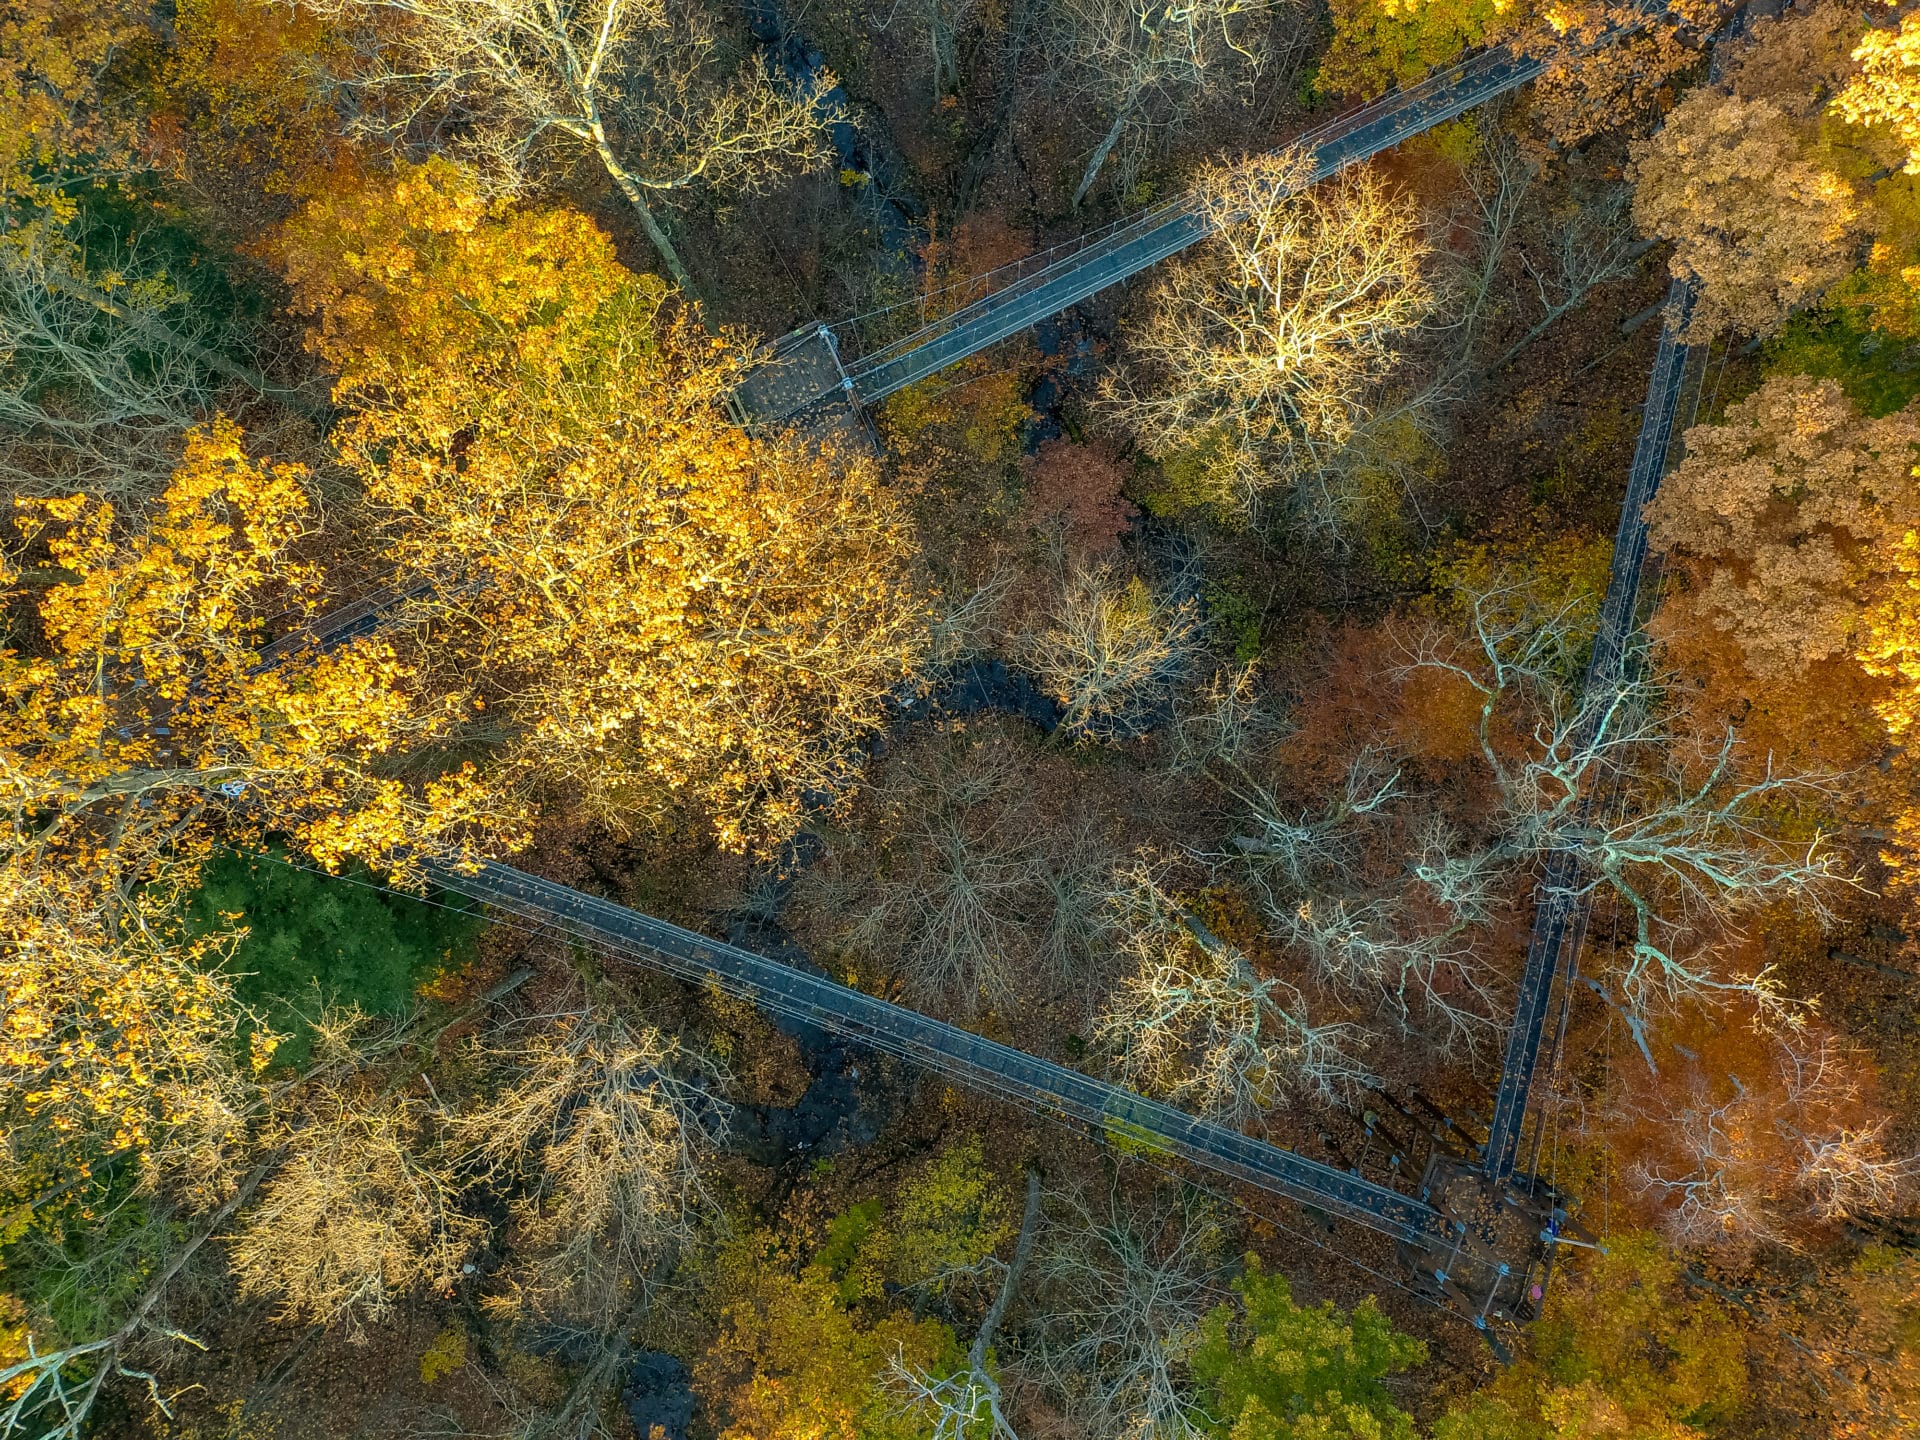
1890,649
239,96
793,1359
148,715
663,610
1759,224
1625,1349
141,725
114,1039
1783,513
1887,89
54,55
1587,85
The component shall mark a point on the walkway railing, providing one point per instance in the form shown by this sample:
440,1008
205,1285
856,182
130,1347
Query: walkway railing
1030,291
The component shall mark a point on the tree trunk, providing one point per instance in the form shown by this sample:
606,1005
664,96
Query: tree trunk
1105,148
1022,1251
637,197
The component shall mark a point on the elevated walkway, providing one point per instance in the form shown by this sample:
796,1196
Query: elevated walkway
1560,898
806,368
1481,1250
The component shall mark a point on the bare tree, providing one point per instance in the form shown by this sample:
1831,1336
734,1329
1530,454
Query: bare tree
1708,1203
1734,1163
641,86
50,1394
105,363
360,1214
1389,890
1484,222
1267,343
1223,727
1844,1166
1111,652
962,879
603,1139
1143,54
1582,244
1196,1021
88,401
1686,846
1568,241
1405,939
1123,1295
944,22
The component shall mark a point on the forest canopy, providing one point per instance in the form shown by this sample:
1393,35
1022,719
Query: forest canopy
1413,668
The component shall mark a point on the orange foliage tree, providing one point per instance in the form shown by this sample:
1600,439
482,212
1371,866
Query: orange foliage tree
1746,1134
1074,492
1782,524
239,95
663,611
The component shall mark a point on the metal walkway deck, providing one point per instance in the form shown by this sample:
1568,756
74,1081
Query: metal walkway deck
1559,916
970,1059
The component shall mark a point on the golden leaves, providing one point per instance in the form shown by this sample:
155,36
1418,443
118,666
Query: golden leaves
53,59
660,610
1886,91
1758,224
115,1037
1787,510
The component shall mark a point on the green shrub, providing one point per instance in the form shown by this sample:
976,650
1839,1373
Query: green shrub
1879,371
315,938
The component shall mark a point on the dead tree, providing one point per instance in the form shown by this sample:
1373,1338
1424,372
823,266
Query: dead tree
593,1128
1685,847
1196,1021
966,1403
1111,651
1122,1294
